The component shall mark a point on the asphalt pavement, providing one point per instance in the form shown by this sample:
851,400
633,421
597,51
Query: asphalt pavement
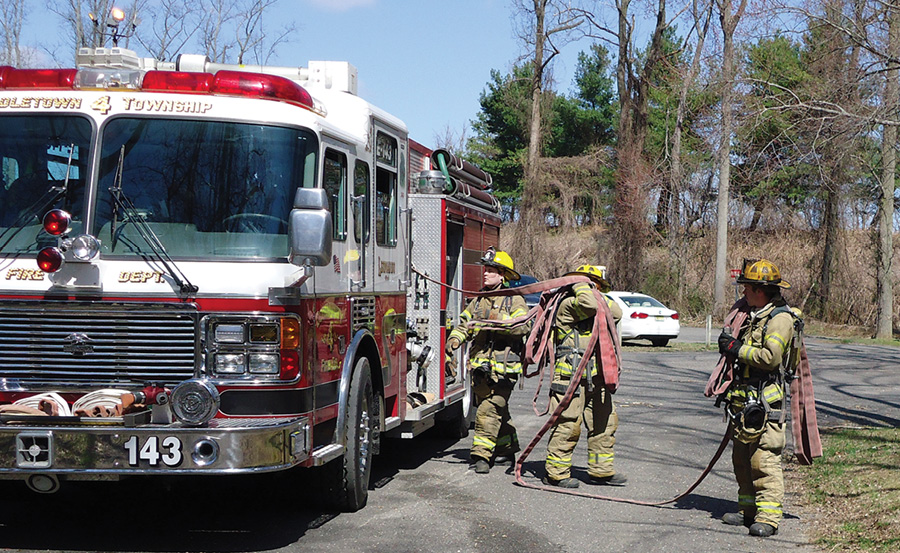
424,498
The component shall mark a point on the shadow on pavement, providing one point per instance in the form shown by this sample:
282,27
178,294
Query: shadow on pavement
208,513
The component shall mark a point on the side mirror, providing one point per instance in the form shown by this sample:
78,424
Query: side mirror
310,228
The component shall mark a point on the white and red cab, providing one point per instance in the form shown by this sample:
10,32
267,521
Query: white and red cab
234,247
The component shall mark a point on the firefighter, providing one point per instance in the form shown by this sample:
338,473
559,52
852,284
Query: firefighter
592,404
755,398
495,362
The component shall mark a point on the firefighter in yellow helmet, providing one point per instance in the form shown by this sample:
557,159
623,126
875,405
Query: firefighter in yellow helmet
495,362
592,404
755,399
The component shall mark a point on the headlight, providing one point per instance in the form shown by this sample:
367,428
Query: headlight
229,334
254,347
264,363
230,363
195,402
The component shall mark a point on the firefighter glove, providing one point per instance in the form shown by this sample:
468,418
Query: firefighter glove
452,345
729,345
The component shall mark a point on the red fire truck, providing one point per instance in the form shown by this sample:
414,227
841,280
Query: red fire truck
208,269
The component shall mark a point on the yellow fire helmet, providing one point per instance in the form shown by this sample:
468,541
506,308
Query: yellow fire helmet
597,273
502,261
761,272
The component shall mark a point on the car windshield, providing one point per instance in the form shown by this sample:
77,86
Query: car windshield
34,158
640,301
207,189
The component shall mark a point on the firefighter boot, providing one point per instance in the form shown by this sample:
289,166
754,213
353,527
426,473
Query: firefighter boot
762,530
612,480
480,466
564,483
737,519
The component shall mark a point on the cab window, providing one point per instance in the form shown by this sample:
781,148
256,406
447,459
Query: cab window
361,209
335,183
386,190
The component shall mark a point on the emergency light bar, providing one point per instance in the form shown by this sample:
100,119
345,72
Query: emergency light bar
37,78
223,82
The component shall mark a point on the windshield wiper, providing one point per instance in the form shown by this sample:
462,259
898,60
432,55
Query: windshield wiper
121,201
45,202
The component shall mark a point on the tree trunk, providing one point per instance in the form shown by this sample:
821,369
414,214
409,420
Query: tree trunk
633,170
885,285
729,22
530,214
831,225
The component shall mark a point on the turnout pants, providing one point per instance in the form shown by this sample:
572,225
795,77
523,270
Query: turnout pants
495,434
598,412
757,468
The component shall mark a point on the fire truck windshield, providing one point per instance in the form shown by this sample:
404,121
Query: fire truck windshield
207,189
34,159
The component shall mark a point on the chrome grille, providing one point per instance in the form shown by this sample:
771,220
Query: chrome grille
96,343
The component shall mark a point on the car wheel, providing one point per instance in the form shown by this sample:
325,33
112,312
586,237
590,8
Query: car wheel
659,342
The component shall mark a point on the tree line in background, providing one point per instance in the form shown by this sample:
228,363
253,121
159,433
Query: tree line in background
775,122
233,31
686,120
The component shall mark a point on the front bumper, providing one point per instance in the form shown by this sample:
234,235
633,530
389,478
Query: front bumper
225,446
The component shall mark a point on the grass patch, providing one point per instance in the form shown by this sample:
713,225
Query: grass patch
846,334
854,490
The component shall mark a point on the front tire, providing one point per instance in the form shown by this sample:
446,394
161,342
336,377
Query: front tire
361,427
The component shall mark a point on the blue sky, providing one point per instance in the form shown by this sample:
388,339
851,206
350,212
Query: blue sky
424,61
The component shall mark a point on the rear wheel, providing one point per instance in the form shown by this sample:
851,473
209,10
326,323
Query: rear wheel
659,342
361,427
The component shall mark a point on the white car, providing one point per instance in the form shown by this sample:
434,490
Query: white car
643,317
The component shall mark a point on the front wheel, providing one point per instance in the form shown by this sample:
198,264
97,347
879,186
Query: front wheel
361,427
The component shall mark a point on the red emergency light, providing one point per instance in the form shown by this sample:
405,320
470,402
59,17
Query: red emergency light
177,81
258,85
56,222
4,71
236,83
49,259
37,78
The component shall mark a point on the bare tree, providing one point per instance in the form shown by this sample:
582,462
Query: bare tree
701,14
13,16
634,75
83,29
171,25
729,18
885,279
451,139
235,30
548,24
218,16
